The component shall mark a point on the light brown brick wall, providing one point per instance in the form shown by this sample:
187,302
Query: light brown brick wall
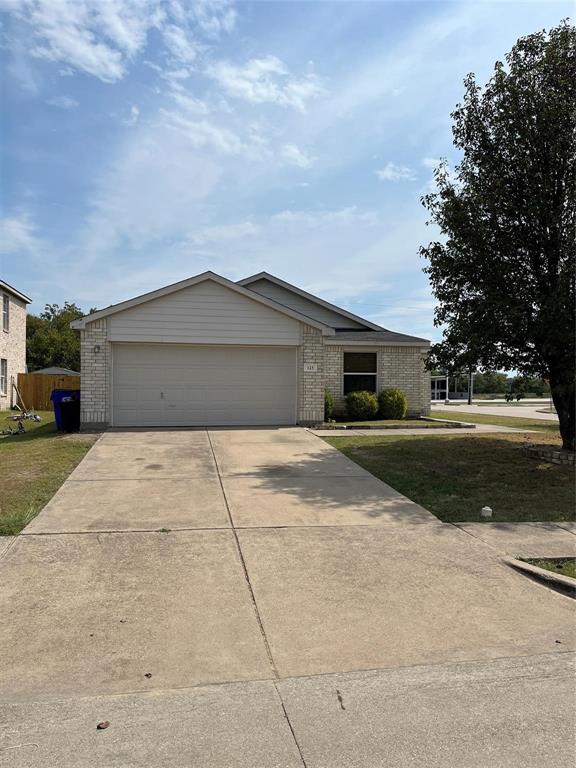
95,373
13,347
311,384
397,367
401,367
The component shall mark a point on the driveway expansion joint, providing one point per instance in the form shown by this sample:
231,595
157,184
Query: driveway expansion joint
290,726
244,566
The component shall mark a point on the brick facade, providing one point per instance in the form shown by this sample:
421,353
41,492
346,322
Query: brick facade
397,367
400,366
311,383
13,347
96,357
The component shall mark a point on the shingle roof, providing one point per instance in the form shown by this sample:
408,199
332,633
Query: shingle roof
378,337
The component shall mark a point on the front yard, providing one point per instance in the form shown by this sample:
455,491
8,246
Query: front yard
455,476
33,467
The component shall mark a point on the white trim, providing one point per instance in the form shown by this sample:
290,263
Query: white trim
310,297
4,378
169,289
9,289
6,311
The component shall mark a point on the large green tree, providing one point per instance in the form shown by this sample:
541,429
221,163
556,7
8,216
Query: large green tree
504,271
50,340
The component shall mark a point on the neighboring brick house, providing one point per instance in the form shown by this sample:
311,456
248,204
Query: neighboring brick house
12,341
209,351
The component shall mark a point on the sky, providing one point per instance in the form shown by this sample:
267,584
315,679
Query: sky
146,141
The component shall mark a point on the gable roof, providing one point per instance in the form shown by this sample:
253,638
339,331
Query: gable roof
247,281
9,289
174,287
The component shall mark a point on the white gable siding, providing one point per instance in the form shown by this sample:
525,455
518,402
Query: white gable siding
206,313
300,304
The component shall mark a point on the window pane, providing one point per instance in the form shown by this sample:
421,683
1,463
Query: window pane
5,312
362,383
359,362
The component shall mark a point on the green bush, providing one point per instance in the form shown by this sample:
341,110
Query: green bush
392,404
361,405
328,404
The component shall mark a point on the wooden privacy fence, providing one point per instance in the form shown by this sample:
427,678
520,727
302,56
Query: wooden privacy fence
35,389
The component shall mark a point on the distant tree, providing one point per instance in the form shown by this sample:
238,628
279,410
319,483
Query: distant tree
490,382
504,274
50,340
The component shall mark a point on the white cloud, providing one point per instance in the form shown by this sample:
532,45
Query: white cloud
190,104
63,102
265,80
224,233
180,43
134,115
393,172
214,17
431,162
293,155
150,193
18,235
342,217
205,134
102,37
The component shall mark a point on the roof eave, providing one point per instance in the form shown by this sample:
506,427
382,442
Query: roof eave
19,295
335,341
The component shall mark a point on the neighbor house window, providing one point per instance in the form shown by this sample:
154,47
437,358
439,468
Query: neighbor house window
359,372
3,377
5,311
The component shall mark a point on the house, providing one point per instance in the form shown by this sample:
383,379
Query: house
12,342
55,370
209,351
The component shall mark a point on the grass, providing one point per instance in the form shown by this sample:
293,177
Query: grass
519,422
564,566
33,467
455,476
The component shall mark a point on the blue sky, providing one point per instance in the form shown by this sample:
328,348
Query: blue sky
145,141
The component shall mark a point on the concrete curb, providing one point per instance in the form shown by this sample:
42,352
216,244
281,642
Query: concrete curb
439,424
557,581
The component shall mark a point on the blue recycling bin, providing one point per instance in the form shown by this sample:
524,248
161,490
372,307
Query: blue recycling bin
59,395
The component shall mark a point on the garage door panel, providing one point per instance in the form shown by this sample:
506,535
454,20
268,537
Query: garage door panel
181,385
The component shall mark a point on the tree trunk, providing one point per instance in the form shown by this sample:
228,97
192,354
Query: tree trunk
563,396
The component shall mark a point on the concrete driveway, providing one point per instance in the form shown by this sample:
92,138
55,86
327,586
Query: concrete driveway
252,598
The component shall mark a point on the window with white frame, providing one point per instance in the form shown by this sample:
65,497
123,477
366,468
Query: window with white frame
3,377
5,312
360,372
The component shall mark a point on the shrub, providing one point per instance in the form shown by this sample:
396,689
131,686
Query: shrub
328,404
392,404
361,405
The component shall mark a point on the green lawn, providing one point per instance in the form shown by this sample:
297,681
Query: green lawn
33,467
519,422
455,476
563,566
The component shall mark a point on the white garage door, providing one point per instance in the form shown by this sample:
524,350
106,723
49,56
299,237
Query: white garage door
156,385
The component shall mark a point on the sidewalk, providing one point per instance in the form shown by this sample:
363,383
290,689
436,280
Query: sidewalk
526,539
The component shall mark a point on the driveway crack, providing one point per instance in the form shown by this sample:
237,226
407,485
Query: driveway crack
244,566
290,727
